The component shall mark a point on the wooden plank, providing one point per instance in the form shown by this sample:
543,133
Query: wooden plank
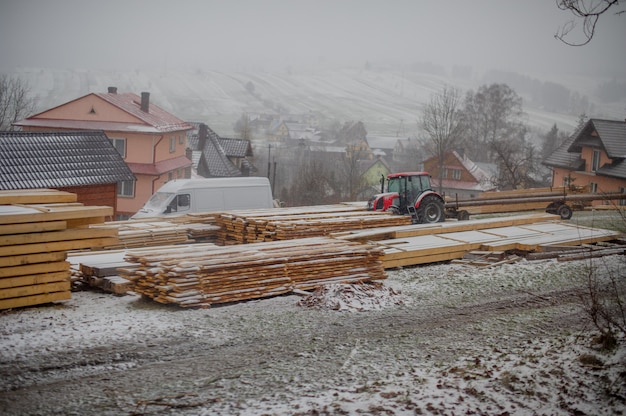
87,243
63,235
35,196
385,233
33,227
33,269
35,279
34,300
10,214
32,258
21,291
423,249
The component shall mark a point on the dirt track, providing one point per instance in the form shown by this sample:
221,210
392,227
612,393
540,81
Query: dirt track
273,351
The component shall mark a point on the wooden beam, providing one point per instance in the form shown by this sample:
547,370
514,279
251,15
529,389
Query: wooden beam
87,243
32,258
34,299
63,235
16,292
10,214
33,269
9,282
33,227
35,196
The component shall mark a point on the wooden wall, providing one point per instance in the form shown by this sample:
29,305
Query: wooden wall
96,195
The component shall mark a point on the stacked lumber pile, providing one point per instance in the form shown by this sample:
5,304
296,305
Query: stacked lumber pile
99,269
37,229
145,233
240,227
429,243
200,275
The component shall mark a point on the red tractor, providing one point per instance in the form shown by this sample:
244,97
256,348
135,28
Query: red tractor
409,193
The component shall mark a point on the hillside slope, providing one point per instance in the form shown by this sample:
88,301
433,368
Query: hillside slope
387,101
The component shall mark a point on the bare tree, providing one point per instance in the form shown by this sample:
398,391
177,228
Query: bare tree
312,185
243,127
15,101
587,10
442,123
517,162
492,113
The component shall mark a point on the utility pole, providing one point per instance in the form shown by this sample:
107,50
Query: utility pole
269,158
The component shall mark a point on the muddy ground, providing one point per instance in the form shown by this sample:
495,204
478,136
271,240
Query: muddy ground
454,340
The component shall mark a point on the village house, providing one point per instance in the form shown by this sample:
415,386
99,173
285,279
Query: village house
406,155
371,173
460,178
593,158
151,141
84,163
214,156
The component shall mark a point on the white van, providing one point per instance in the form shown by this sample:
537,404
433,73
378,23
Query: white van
180,197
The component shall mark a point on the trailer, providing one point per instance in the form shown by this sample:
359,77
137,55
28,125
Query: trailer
559,203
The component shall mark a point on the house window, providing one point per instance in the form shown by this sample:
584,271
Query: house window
622,202
456,174
181,139
126,188
595,163
120,145
172,144
593,187
444,173
170,176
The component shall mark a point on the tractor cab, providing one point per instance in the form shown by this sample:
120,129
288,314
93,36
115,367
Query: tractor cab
409,193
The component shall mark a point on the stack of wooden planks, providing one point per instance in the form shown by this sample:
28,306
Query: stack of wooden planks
200,275
37,229
145,233
240,227
424,243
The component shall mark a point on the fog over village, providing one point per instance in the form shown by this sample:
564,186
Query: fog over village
323,90
356,61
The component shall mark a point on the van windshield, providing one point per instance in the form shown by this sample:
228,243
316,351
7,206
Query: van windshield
159,201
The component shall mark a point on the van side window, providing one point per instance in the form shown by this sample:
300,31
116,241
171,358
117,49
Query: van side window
184,202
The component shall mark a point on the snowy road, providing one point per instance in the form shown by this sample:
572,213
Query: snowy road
504,340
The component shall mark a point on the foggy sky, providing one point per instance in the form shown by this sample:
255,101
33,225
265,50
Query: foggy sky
275,34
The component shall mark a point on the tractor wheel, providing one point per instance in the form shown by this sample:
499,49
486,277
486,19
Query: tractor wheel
431,210
564,211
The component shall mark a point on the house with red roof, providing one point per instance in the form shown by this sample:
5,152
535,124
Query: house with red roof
151,141
460,177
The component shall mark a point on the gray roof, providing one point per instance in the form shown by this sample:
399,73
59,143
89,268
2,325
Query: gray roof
30,160
236,147
609,135
211,152
562,158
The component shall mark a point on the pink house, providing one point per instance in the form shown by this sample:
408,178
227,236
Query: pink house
151,140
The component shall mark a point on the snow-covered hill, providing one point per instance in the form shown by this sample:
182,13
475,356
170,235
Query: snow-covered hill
388,101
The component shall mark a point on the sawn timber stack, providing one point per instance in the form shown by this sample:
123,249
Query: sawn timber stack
240,227
37,229
205,274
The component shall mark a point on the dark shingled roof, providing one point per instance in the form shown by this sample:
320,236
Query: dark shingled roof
609,135
216,151
217,162
561,158
30,160
236,147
